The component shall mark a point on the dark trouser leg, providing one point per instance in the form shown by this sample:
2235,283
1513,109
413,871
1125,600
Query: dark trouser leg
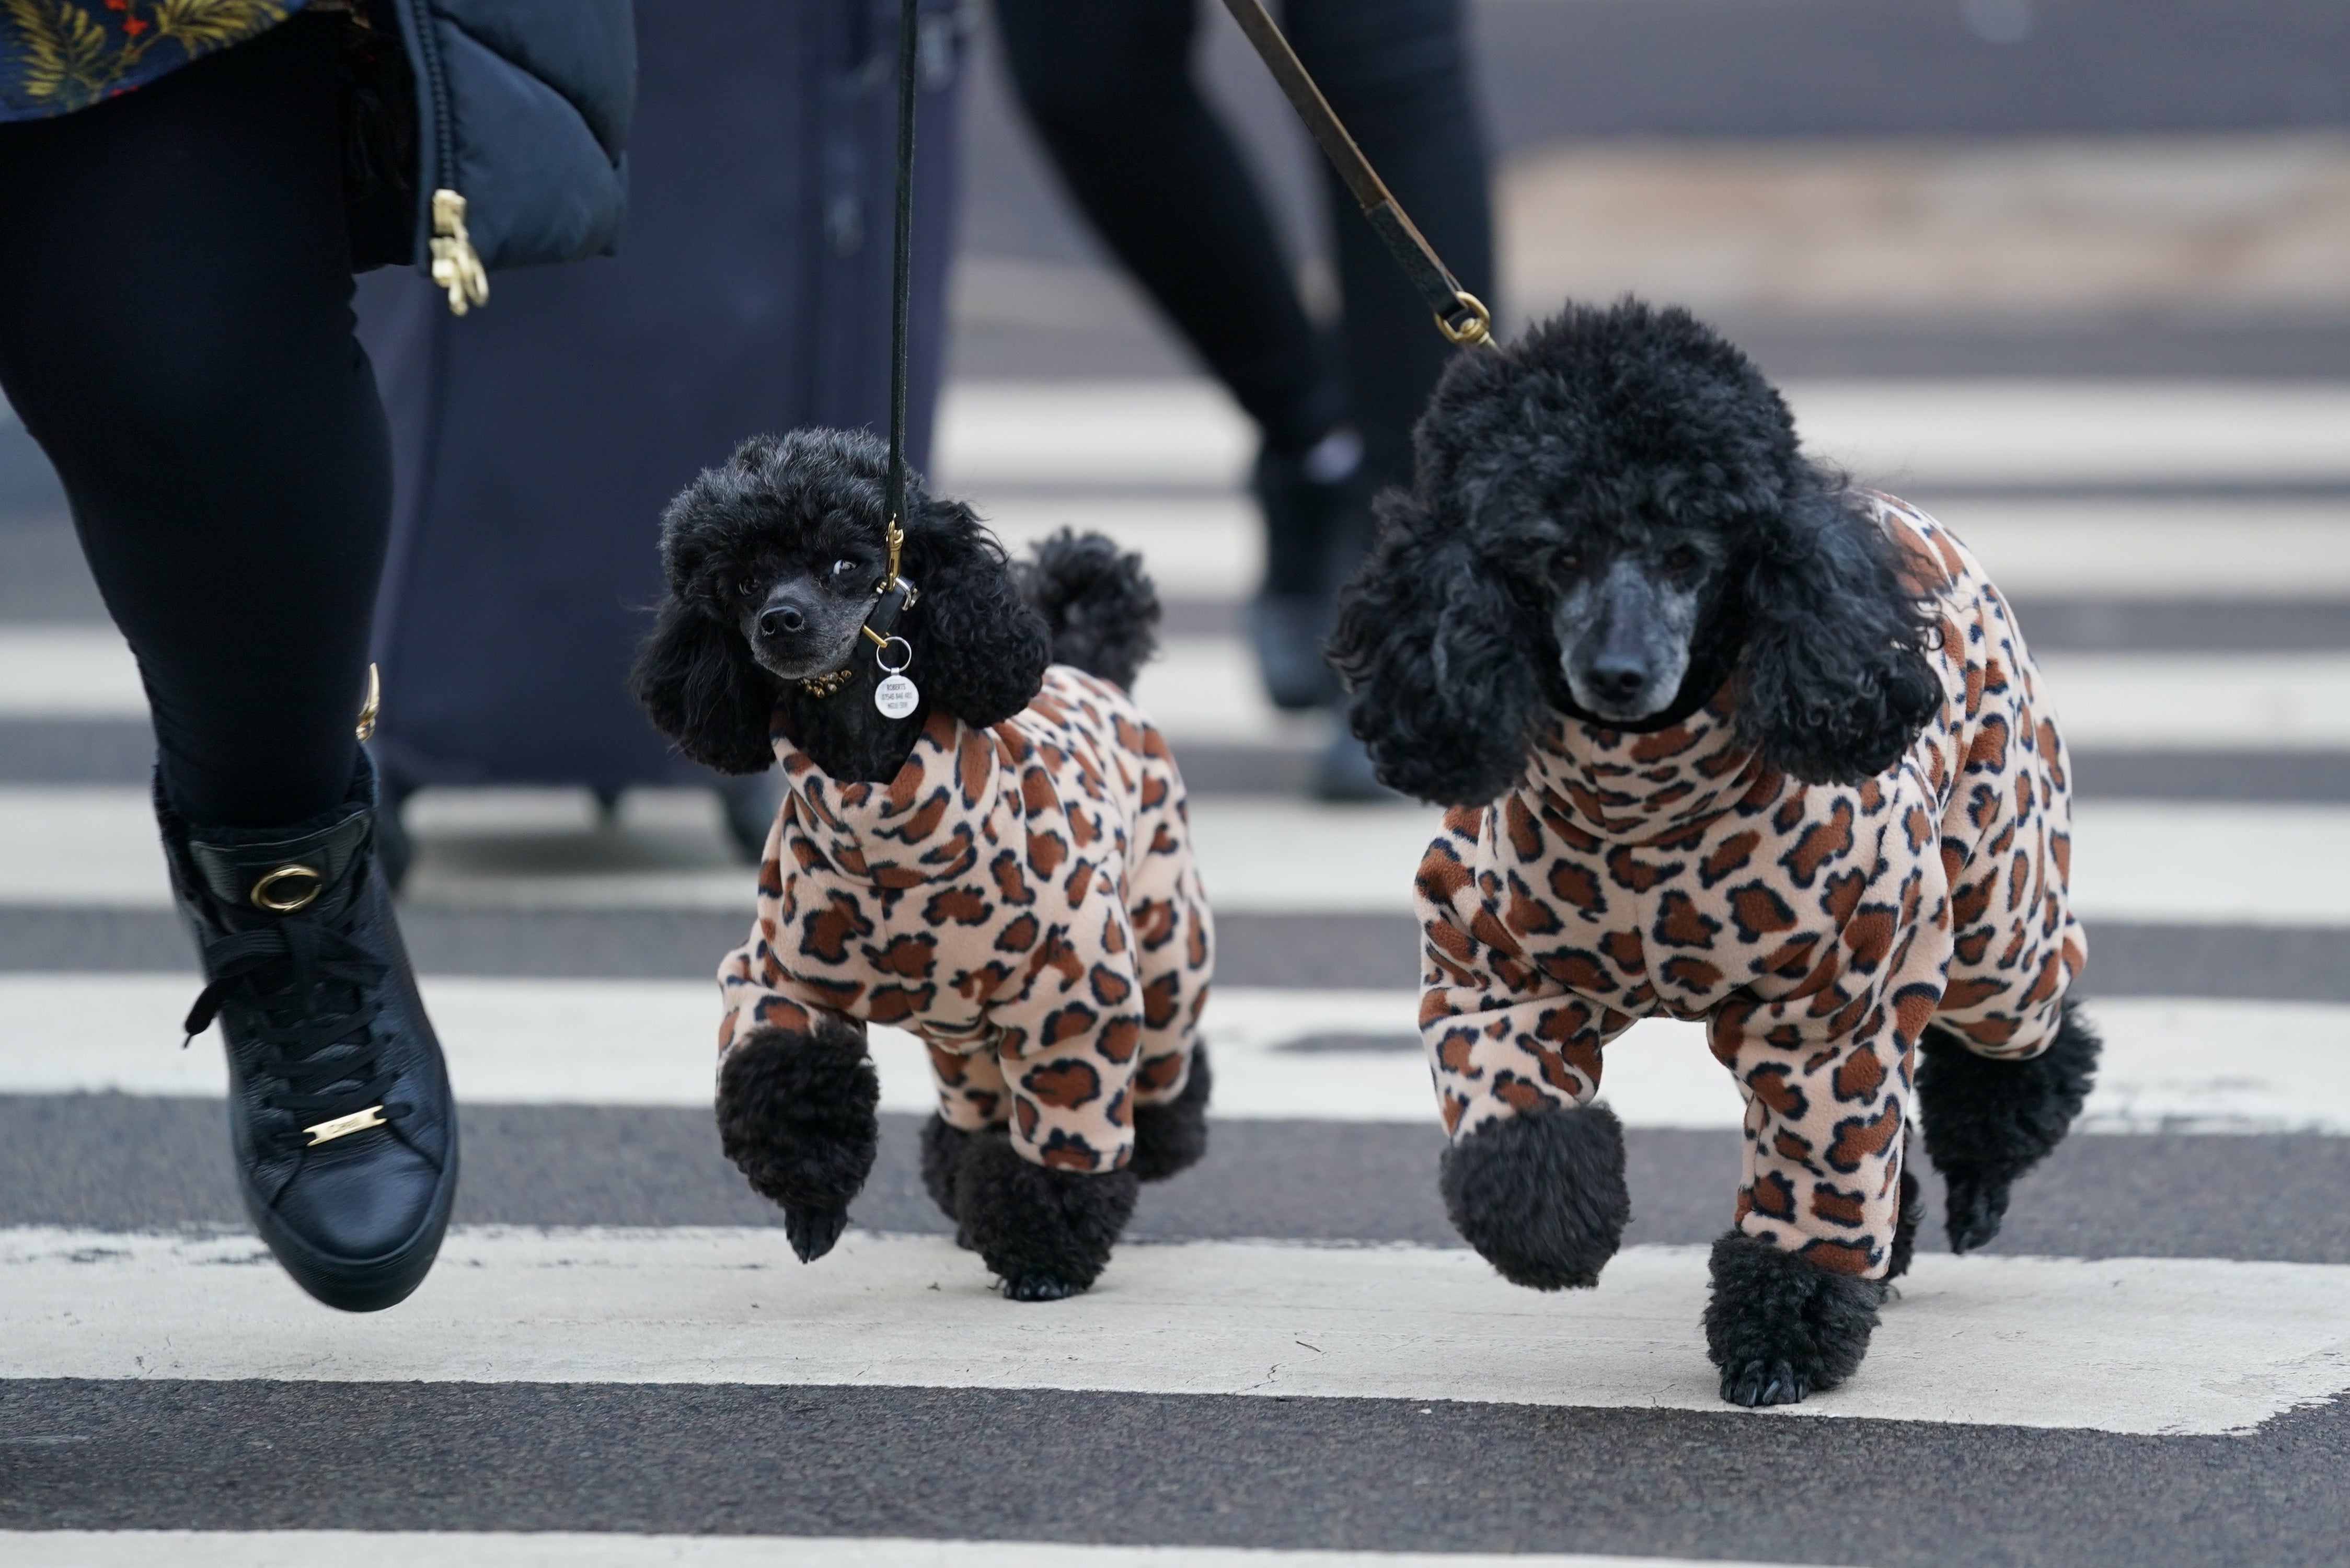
1397,73
175,328
1108,85
175,331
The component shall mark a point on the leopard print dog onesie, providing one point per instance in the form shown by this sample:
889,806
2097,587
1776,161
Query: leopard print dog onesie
1817,930
1022,898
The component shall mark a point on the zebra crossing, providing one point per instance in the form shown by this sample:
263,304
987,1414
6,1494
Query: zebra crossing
1290,1360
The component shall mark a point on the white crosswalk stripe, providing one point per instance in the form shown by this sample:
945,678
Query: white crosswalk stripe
2075,1340
2197,862
2169,1065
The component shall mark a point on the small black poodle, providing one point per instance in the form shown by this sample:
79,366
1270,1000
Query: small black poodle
1734,742
996,859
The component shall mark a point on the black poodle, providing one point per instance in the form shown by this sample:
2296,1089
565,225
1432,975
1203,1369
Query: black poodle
1737,726
785,612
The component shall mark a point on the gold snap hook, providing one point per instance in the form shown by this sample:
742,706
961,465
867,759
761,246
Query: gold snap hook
274,893
368,708
1476,330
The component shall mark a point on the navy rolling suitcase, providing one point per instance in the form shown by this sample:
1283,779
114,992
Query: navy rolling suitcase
536,439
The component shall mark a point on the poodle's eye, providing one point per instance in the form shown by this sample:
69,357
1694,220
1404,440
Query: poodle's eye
843,566
1682,559
747,588
1570,562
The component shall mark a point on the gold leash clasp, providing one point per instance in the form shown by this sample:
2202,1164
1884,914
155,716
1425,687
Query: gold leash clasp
1471,324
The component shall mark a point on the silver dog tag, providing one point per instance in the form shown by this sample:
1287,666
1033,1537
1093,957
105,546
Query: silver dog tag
896,697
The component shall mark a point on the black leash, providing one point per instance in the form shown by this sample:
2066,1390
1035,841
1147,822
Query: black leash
895,695
901,281
1459,315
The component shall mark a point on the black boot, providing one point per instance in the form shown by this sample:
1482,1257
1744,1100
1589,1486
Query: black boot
339,1114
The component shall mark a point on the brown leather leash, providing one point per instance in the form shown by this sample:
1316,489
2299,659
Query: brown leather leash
1459,315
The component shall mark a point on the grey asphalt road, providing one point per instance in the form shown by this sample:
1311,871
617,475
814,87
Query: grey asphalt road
2103,1196
1366,1474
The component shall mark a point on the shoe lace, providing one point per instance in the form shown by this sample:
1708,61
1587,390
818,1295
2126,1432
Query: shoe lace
310,994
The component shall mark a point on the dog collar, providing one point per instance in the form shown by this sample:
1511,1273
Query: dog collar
893,596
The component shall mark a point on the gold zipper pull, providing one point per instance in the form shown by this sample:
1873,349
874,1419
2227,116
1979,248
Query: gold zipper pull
455,266
369,709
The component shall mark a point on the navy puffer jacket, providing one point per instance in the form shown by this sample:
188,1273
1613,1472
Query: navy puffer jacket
523,111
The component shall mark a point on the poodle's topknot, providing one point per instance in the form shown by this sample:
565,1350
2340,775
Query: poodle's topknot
1606,396
1618,419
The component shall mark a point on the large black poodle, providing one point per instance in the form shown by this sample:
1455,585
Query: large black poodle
1062,1022
1751,746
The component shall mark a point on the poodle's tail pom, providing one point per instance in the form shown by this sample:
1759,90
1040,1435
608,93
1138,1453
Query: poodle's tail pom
1101,606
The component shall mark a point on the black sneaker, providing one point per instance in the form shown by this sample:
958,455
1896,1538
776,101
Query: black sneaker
339,1114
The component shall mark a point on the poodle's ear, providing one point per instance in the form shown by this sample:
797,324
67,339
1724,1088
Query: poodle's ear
695,676
1838,677
980,651
1442,660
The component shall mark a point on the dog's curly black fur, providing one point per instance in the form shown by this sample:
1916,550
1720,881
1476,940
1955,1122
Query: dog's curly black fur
1099,606
1172,1135
796,1116
1046,1234
1987,1121
1541,1198
1779,1328
1910,1209
980,646
1624,423
795,1111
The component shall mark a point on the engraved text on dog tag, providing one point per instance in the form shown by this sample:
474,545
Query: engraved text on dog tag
896,697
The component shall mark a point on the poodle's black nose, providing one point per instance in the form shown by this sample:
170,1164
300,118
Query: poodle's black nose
780,620
1618,677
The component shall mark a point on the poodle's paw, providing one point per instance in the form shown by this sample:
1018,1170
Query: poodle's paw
1974,1206
1042,1288
1910,1209
797,1115
1046,1233
1759,1383
1171,1136
1779,1328
1541,1197
942,1152
1988,1120
814,1230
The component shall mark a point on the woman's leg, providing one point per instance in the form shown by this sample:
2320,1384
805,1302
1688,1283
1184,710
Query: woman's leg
175,331
1397,73
1108,85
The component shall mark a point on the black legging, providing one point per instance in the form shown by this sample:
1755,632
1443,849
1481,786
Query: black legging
1109,86
175,332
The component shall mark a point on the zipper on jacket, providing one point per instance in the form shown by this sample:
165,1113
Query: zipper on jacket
456,266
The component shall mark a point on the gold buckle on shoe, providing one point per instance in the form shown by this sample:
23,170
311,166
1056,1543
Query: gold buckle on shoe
266,897
343,1126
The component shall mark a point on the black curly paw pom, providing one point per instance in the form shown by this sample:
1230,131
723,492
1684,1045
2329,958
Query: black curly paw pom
1172,1136
1046,1233
1988,1121
1779,1328
796,1116
1541,1197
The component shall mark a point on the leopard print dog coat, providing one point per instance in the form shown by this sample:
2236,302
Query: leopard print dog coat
1817,930
1022,898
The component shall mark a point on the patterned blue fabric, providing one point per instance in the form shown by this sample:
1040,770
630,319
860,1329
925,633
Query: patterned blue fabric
58,56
